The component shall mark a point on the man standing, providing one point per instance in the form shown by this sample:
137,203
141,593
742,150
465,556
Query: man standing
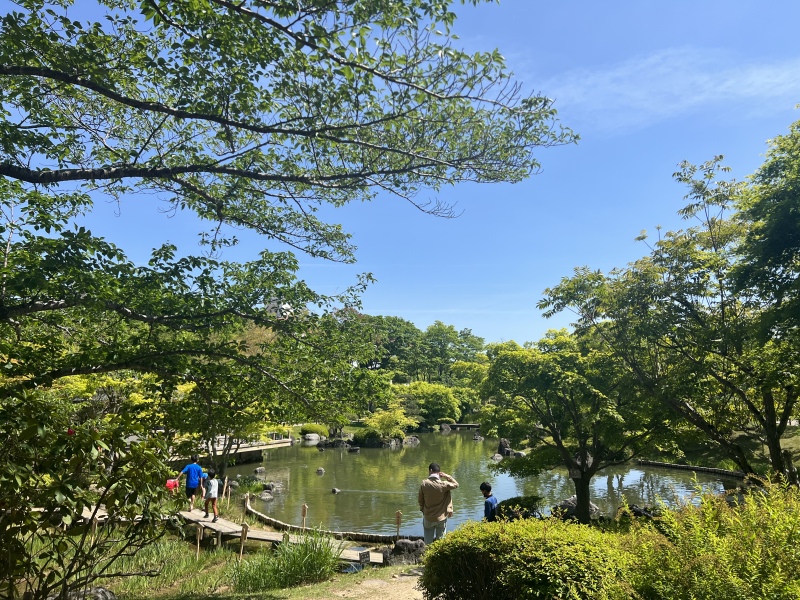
436,503
490,502
194,476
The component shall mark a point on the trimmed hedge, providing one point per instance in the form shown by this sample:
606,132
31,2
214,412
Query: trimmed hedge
526,559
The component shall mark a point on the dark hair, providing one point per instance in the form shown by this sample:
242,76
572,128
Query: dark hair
434,468
486,487
195,458
211,474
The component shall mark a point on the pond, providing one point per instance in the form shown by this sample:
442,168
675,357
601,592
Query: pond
377,482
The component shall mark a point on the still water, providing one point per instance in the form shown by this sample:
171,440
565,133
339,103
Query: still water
377,482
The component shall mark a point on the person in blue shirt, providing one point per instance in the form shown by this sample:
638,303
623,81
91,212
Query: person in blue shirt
490,504
194,476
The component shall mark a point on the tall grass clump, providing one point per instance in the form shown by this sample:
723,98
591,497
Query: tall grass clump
741,549
314,559
166,562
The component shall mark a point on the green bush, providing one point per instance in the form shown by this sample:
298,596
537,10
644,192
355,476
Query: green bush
525,559
249,484
519,507
445,421
315,558
716,550
314,428
367,437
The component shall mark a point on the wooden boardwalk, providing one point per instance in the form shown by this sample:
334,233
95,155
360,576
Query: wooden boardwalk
227,529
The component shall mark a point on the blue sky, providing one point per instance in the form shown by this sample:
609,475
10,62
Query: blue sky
645,84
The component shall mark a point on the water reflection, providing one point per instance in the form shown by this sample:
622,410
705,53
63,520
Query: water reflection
376,483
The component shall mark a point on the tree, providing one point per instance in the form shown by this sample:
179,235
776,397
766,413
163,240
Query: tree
55,468
247,116
316,378
770,206
434,402
688,333
576,406
397,343
442,345
391,421
238,116
467,379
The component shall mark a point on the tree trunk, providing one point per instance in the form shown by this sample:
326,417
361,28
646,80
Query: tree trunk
772,432
582,487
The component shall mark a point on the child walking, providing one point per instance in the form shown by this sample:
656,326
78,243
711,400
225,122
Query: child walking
212,491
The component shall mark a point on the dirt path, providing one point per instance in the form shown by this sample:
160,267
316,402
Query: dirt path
400,587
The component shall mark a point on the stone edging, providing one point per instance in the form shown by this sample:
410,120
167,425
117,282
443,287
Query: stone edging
723,472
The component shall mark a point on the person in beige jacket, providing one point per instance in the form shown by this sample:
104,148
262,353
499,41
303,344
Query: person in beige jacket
436,503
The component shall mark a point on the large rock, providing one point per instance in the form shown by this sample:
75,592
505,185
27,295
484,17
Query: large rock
95,593
273,487
567,508
504,448
404,552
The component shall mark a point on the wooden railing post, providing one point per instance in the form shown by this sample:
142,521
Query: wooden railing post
398,518
199,537
243,539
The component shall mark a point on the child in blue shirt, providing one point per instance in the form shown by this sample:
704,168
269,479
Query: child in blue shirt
194,476
490,504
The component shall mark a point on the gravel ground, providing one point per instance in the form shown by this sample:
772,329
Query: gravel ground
400,587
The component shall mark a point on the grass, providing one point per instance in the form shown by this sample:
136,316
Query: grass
213,573
314,559
180,571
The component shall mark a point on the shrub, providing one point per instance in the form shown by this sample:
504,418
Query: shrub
313,559
314,428
367,437
519,507
747,549
525,559
397,434
445,421
249,484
